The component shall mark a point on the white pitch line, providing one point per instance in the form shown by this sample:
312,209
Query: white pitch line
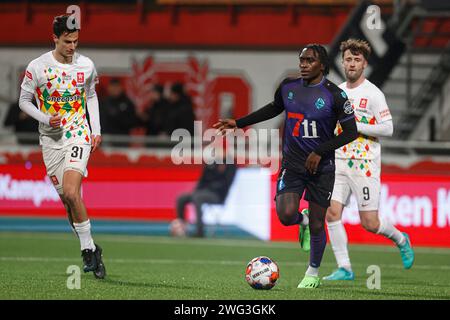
211,262
236,243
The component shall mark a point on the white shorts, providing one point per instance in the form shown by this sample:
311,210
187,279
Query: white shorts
365,189
72,157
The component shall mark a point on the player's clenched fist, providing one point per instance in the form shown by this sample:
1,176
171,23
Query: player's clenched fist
224,124
55,121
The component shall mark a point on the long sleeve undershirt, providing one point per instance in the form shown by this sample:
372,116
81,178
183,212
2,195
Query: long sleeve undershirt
27,106
384,129
267,112
94,116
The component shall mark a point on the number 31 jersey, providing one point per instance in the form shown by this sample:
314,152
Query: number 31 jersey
62,89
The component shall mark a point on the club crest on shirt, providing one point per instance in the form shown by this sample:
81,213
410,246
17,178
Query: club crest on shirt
80,77
363,103
281,184
290,95
320,103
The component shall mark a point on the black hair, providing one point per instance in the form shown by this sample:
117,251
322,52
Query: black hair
60,25
322,54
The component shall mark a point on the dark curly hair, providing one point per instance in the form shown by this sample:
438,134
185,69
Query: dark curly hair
321,52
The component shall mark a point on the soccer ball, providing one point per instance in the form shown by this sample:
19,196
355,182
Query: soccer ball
178,228
262,273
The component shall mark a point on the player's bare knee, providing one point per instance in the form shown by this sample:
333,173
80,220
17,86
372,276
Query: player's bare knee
332,215
71,196
286,215
371,226
285,220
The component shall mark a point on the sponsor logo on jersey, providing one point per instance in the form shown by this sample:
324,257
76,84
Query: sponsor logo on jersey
348,108
344,95
64,99
320,103
363,103
29,75
80,77
385,113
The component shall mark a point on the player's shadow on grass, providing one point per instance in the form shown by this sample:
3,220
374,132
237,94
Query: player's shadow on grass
158,285
115,282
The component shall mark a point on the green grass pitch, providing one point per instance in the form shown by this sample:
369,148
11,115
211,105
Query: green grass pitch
34,265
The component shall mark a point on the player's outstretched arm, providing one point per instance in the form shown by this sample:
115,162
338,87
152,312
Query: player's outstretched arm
267,112
225,124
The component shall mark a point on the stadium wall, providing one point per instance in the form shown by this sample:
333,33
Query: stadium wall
417,204
218,81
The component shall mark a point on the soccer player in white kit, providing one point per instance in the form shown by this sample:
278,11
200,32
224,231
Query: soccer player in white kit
358,163
63,84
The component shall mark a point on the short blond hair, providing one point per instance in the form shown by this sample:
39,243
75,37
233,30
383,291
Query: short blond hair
356,46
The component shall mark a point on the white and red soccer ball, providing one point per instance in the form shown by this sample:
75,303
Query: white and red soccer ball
262,273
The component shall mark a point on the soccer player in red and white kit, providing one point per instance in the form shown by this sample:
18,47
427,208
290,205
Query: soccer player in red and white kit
63,84
358,163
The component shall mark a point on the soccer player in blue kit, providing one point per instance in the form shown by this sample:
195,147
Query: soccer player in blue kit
313,107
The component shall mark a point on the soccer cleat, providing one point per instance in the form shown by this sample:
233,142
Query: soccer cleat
309,282
89,260
304,236
100,271
92,261
407,252
340,274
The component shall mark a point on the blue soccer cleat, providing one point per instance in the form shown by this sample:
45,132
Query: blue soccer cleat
406,252
340,274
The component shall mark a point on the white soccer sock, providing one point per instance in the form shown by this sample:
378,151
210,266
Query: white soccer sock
338,239
389,231
83,230
305,220
312,271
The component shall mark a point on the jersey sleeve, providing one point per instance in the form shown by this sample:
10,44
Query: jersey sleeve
29,82
278,98
380,108
343,106
92,82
